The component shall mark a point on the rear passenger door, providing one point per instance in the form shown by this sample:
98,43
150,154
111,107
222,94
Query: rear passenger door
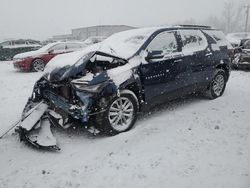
196,54
71,47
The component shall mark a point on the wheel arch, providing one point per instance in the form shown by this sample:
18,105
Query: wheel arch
224,66
136,90
132,93
37,58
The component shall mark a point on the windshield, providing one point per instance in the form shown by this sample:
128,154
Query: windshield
125,44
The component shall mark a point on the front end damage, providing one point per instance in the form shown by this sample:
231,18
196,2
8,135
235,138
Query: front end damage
68,96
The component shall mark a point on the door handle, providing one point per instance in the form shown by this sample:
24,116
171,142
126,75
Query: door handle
178,60
208,54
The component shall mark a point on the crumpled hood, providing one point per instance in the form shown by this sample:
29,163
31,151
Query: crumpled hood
69,65
28,54
62,73
72,58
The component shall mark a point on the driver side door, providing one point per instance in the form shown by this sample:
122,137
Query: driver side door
160,74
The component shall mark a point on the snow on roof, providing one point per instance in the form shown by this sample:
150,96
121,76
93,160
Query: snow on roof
123,44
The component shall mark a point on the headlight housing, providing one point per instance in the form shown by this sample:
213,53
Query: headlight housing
89,88
19,59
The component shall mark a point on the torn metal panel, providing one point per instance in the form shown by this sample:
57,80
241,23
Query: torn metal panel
43,135
35,114
40,135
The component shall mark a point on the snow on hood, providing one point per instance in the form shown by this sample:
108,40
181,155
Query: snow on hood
233,40
28,54
124,45
38,52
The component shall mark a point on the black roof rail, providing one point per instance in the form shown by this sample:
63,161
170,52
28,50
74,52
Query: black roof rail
198,26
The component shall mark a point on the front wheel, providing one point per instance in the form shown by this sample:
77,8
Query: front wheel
121,114
217,86
38,65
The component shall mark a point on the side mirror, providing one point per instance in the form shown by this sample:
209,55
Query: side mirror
51,51
152,55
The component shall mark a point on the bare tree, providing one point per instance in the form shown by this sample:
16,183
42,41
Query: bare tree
232,16
215,22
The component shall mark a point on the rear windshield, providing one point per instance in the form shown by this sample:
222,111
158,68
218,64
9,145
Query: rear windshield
219,37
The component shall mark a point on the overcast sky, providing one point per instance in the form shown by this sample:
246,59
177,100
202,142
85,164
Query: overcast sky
40,19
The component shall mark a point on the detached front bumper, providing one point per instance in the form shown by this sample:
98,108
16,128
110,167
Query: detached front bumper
34,127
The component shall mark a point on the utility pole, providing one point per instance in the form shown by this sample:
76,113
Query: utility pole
247,14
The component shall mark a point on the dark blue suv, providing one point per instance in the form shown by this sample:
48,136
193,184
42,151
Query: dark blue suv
106,84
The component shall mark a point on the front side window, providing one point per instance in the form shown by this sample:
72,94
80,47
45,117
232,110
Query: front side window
165,42
59,48
73,46
193,41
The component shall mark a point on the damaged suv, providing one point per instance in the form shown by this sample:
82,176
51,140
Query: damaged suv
107,84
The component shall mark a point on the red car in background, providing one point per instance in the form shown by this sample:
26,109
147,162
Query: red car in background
36,60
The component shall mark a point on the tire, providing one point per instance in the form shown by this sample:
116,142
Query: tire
217,86
38,65
121,114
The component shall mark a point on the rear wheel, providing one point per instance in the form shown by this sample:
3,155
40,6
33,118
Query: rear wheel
217,86
121,114
38,65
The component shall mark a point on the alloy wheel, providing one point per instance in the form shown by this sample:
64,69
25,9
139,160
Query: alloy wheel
121,114
38,65
218,84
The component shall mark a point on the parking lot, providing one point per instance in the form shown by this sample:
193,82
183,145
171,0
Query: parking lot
192,142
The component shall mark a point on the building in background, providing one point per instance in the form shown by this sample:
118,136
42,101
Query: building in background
87,32
63,37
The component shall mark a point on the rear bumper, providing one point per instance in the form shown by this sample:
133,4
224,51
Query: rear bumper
244,65
24,65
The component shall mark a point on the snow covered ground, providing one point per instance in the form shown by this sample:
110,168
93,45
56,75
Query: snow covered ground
191,143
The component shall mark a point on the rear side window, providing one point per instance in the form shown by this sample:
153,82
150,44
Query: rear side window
73,46
165,42
219,37
193,41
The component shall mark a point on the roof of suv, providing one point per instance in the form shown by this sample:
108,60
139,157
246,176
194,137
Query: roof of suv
154,29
